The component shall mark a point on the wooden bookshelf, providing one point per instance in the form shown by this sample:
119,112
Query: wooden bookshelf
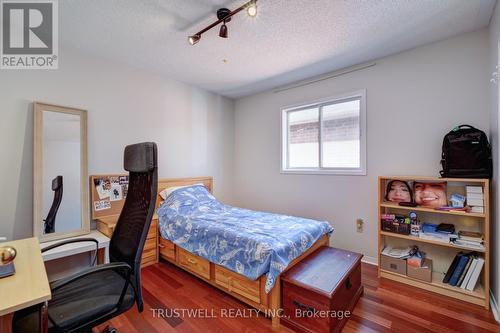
442,252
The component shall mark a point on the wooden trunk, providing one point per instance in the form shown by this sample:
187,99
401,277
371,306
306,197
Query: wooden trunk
319,293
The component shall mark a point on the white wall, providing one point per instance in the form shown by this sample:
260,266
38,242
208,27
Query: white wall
193,128
413,100
495,142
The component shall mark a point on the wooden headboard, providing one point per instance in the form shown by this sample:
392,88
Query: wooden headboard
172,182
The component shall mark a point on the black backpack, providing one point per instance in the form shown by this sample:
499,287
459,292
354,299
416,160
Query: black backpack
466,154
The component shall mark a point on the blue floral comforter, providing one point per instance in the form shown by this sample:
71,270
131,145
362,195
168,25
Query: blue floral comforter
244,241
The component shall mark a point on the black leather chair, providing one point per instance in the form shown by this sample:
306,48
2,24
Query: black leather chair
97,294
50,221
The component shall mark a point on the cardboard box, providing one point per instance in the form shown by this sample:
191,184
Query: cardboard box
394,265
421,273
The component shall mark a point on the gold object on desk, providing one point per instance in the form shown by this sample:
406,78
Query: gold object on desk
29,286
7,255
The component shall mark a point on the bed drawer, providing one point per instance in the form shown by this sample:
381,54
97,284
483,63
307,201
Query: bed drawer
238,284
167,248
193,263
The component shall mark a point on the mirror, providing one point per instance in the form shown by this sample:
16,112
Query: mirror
60,199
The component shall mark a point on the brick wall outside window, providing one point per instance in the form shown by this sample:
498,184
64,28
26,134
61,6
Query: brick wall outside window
341,129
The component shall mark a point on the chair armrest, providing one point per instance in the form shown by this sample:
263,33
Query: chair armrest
75,240
120,266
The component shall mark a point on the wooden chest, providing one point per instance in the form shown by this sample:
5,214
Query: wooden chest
319,293
106,225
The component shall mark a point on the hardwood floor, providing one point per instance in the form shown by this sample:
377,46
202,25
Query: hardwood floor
385,307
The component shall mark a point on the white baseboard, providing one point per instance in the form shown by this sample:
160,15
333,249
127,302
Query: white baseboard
370,260
494,307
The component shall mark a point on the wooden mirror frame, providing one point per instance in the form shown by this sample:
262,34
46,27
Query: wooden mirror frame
38,109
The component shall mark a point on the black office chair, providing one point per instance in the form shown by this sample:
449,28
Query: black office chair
97,294
50,221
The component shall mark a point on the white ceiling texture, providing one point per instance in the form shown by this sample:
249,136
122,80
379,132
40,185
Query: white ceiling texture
289,40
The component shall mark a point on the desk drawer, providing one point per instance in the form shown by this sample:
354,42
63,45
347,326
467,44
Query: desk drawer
150,244
238,284
193,263
148,257
147,253
167,248
105,228
152,230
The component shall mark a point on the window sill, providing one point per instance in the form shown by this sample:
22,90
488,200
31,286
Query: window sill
338,172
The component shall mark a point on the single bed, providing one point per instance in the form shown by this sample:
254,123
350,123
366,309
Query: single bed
240,251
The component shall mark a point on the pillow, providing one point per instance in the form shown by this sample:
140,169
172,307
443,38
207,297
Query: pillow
166,192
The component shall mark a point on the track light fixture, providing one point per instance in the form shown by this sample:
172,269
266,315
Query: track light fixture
223,30
252,8
224,16
194,39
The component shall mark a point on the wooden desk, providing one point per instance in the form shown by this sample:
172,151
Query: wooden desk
28,286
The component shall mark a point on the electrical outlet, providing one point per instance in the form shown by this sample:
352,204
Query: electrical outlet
359,224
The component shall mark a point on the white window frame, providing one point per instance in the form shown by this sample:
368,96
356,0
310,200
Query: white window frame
361,171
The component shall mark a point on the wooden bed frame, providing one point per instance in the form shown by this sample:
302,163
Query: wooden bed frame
248,291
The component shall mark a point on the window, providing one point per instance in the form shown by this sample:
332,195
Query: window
325,137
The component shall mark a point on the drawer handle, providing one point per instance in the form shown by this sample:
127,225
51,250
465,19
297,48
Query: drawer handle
308,309
348,283
191,260
161,246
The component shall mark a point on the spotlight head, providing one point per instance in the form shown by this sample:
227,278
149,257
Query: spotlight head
194,39
223,31
252,9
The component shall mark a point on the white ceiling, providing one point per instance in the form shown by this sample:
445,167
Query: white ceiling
289,40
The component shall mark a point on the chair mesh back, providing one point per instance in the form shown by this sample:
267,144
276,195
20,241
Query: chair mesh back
131,230
50,221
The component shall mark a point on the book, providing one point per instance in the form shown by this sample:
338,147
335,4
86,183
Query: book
475,274
464,272
469,244
475,202
458,270
473,189
469,273
451,269
477,209
479,196
470,236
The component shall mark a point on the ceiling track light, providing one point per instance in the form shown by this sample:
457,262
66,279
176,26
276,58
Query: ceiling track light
223,16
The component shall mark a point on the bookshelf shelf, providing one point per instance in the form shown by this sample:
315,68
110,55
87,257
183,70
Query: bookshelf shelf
428,241
442,256
430,210
477,296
